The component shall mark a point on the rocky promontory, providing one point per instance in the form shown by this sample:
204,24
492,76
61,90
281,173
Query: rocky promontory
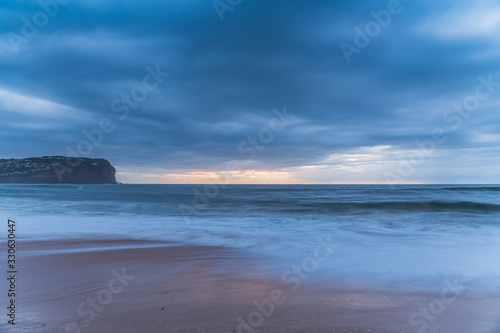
56,170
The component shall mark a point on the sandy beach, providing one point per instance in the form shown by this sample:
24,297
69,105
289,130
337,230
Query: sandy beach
230,166
143,286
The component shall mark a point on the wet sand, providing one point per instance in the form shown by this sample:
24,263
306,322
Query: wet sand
139,286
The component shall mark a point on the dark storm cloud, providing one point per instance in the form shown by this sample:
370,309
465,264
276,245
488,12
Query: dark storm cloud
227,76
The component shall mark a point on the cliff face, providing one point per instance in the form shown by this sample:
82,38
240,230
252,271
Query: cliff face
54,170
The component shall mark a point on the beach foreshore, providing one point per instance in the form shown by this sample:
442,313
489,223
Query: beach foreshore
143,286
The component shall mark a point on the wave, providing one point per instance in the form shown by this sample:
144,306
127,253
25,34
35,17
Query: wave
344,207
442,188
414,206
160,200
438,206
475,188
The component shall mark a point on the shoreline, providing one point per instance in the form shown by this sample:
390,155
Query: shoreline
168,287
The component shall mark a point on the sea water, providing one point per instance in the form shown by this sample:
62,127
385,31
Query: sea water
408,236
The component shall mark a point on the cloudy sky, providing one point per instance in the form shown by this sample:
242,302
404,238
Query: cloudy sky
191,91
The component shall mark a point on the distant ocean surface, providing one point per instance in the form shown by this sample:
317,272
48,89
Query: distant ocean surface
411,235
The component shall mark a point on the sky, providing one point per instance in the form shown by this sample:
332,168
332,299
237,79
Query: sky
240,91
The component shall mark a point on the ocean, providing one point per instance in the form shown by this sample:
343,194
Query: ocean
405,236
